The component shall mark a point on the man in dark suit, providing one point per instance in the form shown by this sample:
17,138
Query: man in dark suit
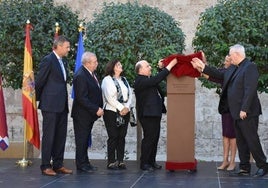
149,109
51,92
87,108
239,97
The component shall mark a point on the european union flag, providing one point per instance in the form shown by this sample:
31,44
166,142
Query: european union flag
80,51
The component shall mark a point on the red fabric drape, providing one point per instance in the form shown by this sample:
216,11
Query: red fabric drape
184,66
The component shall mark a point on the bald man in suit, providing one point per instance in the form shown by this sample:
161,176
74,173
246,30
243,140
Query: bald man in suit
149,109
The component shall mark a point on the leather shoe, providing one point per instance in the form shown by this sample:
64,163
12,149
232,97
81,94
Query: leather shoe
93,168
147,167
240,172
49,172
87,169
260,172
63,170
156,166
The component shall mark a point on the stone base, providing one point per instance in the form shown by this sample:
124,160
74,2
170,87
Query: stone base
16,150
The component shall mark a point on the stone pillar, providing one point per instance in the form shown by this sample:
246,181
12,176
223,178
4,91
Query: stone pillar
180,123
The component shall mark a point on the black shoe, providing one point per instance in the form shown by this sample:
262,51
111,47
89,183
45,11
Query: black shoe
88,168
156,166
93,168
260,172
240,172
112,166
147,167
85,169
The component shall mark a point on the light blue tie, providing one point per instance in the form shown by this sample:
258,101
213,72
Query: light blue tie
62,69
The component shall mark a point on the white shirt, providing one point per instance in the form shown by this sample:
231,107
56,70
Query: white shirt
109,92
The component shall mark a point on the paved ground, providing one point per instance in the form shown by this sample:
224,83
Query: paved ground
206,176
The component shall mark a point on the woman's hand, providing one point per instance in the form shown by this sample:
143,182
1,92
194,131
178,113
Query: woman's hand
124,111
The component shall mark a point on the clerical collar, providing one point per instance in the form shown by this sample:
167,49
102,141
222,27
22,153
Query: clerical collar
239,64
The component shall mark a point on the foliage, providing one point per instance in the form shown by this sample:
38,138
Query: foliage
43,15
130,32
231,22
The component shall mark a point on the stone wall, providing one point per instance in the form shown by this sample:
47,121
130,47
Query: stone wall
185,11
208,139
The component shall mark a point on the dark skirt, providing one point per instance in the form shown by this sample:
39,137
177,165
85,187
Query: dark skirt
227,126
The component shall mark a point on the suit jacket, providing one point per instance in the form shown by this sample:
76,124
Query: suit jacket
239,90
87,95
148,99
50,86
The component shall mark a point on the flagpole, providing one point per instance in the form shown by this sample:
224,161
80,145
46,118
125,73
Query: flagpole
24,162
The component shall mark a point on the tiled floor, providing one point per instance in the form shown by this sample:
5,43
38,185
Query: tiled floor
206,176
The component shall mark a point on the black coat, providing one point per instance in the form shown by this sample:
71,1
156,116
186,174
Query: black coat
148,99
50,86
87,95
239,91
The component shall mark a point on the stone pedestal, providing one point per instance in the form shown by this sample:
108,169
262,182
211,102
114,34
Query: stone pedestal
16,150
180,123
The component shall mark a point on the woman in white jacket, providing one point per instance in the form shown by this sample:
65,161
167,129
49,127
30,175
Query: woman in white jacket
117,102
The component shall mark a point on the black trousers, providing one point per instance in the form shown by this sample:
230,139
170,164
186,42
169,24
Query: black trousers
53,139
248,141
151,133
116,136
82,131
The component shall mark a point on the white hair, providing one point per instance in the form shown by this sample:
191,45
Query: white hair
86,57
239,49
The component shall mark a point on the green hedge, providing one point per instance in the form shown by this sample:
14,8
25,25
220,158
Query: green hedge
235,21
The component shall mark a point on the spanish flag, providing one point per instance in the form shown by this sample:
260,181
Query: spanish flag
28,94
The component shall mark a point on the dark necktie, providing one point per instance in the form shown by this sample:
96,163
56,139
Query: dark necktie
94,76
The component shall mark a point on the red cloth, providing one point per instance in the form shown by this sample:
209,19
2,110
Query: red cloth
3,121
184,66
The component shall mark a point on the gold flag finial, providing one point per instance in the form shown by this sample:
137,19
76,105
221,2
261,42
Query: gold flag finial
81,27
57,27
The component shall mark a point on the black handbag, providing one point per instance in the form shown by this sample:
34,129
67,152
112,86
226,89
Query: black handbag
132,118
119,120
